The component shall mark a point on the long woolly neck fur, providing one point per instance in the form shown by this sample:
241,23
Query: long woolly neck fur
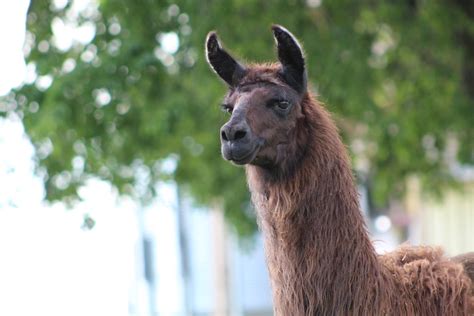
319,255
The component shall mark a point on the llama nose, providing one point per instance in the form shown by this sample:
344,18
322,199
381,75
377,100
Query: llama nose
233,132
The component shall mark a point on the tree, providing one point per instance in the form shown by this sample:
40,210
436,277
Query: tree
136,97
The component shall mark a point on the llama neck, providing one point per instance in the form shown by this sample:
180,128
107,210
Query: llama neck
319,255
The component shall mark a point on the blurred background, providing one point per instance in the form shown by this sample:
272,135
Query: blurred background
114,199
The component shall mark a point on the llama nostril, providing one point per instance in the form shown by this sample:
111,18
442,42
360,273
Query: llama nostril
239,135
233,133
224,136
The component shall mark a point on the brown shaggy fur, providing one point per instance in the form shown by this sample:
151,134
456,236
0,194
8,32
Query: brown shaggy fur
319,255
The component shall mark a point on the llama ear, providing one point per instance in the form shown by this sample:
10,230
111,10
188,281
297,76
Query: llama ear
291,58
223,64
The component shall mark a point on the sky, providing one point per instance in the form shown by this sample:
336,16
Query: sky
12,36
50,265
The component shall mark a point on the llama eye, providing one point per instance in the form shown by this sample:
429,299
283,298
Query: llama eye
227,108
279,104
282,105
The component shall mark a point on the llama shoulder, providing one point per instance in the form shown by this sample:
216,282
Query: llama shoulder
424,275
424,263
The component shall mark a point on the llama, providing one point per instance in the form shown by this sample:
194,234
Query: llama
318,252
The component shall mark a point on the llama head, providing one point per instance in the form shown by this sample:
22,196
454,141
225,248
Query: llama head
264,102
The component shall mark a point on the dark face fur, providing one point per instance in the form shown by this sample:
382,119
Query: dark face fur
264,102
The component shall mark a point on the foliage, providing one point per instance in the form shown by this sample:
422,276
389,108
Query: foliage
124,107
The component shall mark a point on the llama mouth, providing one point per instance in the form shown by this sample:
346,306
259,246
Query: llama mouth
245,158
241,153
